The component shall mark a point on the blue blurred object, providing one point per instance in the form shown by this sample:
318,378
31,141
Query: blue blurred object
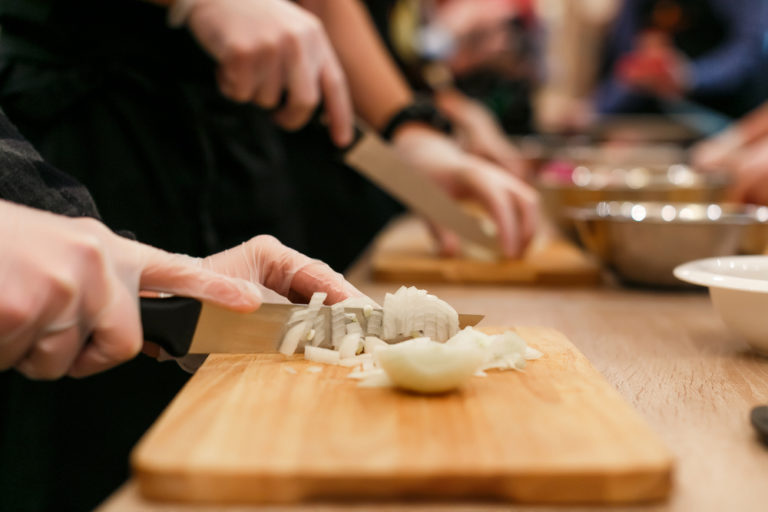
724,40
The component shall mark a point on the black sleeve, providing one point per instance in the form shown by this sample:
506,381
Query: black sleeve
26,178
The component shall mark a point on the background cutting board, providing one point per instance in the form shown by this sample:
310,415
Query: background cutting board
246,430
405,253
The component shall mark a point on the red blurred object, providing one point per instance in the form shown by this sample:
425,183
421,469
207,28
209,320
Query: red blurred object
655,66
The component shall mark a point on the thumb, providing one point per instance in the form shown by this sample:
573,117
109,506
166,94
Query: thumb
183,275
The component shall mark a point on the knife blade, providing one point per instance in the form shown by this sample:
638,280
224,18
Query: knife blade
182,325
376,160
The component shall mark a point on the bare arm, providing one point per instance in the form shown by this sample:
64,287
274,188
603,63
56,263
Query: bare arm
378,89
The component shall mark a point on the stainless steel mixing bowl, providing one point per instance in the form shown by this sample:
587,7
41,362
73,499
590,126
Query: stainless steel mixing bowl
644,241
589,184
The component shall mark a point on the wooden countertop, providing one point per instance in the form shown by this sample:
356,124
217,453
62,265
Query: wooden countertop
668,354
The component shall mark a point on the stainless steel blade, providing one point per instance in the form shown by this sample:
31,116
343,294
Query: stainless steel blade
373,158
220,330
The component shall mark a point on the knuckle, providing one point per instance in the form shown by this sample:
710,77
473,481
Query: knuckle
14,314
268,241
269,49
33,372
127,350
90,224
335,77
307,100
63,289
312,26
291,41
238,51
91,251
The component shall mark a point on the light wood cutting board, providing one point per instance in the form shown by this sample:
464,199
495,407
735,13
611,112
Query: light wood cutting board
244,429
405,253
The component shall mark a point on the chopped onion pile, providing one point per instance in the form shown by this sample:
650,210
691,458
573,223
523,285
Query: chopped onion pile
439,358
410,313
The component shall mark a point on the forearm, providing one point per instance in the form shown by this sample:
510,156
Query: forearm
378,89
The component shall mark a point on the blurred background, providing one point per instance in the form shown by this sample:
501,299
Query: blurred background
614,110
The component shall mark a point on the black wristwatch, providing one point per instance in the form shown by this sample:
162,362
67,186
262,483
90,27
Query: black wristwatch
422,110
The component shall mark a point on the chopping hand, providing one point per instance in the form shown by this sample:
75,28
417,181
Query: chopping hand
65,280
268,49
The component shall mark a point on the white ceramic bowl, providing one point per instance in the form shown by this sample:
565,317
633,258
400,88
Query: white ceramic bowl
738,286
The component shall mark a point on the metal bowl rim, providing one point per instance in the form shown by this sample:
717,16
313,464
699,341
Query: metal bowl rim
747,217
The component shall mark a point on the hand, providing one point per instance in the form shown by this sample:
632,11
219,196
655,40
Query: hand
479,133
65,279
750,172
512,204
266,261
719,152
267,47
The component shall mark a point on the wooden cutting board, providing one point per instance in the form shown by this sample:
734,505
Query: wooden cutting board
245,429
405,253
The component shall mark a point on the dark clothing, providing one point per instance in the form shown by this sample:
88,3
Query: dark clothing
166,157
723,39
108,94
64,445
27,179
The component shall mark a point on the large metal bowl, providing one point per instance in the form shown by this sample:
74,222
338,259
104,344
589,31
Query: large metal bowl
644,241
590,184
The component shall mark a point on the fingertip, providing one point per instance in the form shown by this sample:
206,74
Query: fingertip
450,245
342,135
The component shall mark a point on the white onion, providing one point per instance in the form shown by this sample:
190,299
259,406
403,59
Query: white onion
371,344
376,379
411,310
349,345
317,298
426,366
321,355
359,360
532,353
292,337
420,364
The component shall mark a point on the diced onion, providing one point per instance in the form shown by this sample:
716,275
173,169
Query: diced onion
321,355
291,339
371,344
349,346
437,359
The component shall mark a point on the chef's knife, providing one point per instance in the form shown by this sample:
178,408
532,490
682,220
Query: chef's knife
376,160
182,325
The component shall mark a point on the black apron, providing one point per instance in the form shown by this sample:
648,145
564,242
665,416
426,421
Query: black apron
164,157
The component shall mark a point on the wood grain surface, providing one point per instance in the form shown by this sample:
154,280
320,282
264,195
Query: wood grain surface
405,252
246,430
668,354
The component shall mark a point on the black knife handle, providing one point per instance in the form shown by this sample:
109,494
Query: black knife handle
170,322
